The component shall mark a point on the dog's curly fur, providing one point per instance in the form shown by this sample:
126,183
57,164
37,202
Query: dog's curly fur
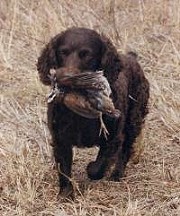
81,49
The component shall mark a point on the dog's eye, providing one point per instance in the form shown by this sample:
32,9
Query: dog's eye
84,53
64,52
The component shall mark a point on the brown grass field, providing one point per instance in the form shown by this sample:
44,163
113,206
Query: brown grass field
28,182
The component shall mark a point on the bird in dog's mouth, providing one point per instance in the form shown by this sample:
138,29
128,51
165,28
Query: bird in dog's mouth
87,94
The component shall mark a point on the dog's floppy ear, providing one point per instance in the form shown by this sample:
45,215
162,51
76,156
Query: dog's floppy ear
48,59
110,62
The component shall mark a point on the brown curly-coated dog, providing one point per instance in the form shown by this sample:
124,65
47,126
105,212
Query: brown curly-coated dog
81,49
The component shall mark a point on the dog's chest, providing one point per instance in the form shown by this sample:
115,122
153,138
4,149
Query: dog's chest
72,128
87,132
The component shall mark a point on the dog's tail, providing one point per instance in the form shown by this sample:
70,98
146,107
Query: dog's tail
132,54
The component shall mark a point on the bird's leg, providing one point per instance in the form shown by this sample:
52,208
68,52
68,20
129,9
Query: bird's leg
103,127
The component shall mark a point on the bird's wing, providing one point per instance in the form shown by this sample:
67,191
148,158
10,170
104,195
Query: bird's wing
86,80
80,105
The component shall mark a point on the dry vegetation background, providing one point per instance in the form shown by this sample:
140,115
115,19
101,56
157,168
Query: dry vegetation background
28,184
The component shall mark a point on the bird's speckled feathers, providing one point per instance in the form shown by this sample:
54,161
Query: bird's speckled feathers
87,92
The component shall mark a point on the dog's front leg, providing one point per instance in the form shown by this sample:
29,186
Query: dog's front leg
63,158
109,162
62,148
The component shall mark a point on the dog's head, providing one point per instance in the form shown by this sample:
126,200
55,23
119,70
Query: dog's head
77,50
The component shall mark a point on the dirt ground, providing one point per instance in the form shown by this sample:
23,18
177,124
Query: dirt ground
28,182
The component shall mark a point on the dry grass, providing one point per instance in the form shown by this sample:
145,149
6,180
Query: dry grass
28,183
